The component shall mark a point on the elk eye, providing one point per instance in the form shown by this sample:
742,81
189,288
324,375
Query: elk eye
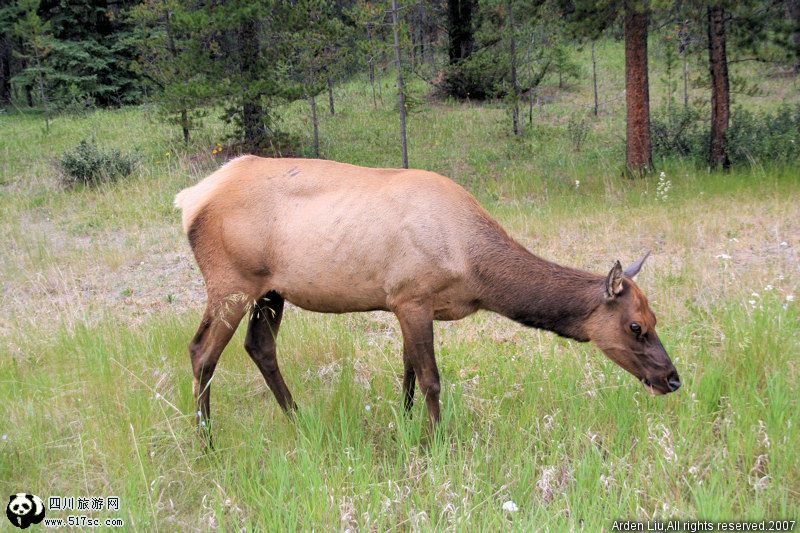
636,328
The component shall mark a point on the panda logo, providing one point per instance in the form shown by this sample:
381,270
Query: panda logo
25,509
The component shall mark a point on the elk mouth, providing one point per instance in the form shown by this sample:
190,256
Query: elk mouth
649,386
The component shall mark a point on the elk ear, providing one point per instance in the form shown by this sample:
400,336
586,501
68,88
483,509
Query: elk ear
633,270
614,281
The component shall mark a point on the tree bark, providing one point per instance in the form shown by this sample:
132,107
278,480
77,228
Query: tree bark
684,48
5,70
594,80
42,91
459,26
255,135
793,7
720,88
330,96
638,153
315,122
371,61
512,51
173,51
401,98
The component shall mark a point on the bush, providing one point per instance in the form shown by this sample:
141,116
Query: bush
764,137
578,131
87,164
751,137
678,134
479,77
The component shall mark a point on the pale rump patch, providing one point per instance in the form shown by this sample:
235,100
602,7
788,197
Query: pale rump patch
192,199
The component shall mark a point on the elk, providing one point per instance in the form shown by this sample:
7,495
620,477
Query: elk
336,238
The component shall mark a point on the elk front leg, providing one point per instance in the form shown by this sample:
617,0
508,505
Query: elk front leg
408,383
416,322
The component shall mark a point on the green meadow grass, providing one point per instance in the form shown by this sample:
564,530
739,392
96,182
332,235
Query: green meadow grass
100,298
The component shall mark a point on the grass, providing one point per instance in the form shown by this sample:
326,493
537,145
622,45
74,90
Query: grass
100,297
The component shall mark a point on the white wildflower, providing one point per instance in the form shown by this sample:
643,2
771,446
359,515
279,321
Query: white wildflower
724,257
663,187
755,295
768,288
577,183
5,437
510,507
790,297
752,302
368,408
784,244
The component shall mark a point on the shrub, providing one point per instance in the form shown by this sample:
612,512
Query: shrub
751,137
578,131
678,134
479,77
764,137
88,164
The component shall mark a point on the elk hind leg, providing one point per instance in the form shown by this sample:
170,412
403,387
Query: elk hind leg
260,345
218,325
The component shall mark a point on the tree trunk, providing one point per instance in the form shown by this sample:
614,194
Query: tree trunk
720,88
793,7
459,27
185,126
684,46
173,51
255,135
330,96
371,62
312,100
594,80
530,106
639,154
42,91
512,51
5,70
401,98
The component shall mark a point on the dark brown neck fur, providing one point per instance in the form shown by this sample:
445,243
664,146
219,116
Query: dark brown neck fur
533,291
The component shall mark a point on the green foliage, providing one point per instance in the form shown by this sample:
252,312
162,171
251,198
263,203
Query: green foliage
752,137
678,133
87,164
578,131
162,33
79,51
480,76
761,137
487,72
564,64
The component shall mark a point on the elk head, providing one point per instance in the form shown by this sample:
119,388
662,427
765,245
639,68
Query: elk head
624,328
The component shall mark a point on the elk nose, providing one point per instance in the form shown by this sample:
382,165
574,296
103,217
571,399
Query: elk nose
674,382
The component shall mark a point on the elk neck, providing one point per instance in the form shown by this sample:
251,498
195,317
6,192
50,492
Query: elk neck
536,292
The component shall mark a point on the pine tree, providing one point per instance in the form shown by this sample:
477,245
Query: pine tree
38,43
162,33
